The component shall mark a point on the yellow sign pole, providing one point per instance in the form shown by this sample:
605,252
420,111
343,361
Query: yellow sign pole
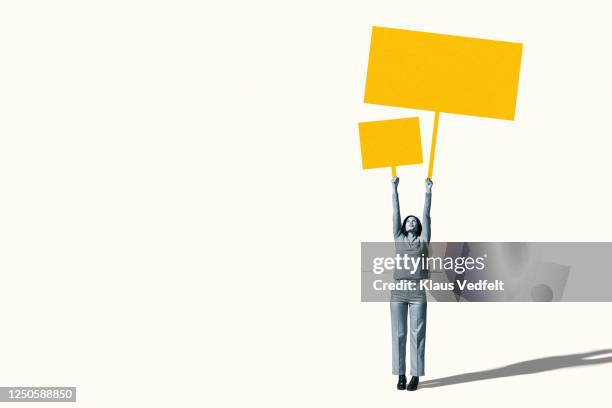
432,152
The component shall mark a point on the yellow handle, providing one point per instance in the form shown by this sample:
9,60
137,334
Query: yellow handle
432,152
393,172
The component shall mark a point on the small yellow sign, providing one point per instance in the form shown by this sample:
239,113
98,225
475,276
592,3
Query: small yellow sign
443,73
390,143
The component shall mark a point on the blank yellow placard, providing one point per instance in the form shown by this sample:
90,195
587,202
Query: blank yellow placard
390,143
443,73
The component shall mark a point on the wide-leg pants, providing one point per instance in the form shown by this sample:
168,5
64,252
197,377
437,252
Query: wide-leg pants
399,330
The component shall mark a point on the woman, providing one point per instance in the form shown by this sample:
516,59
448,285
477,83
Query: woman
411,238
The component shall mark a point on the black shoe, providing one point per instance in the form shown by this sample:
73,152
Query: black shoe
414,383
401,382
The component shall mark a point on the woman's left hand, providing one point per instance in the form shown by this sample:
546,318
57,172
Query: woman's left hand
428,184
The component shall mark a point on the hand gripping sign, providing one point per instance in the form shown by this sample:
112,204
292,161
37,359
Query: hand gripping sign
442,73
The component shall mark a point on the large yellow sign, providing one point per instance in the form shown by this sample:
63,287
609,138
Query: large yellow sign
390,143
443,73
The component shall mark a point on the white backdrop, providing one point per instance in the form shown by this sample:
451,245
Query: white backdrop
183,201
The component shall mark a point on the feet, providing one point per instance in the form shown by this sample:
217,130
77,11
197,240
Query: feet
401,382
413,384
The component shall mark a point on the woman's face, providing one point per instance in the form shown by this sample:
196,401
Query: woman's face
411,224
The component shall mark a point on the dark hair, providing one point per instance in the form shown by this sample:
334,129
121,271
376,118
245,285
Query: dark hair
419,227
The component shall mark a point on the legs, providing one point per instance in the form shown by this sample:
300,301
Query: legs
399,331
418,323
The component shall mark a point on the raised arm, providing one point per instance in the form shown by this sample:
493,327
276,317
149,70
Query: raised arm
426,233
397,220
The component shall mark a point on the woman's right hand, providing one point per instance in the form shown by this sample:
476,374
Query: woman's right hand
395,181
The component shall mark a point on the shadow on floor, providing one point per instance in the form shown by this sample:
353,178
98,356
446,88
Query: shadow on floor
524,367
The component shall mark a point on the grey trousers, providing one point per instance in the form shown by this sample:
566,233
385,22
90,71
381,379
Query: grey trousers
399,331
